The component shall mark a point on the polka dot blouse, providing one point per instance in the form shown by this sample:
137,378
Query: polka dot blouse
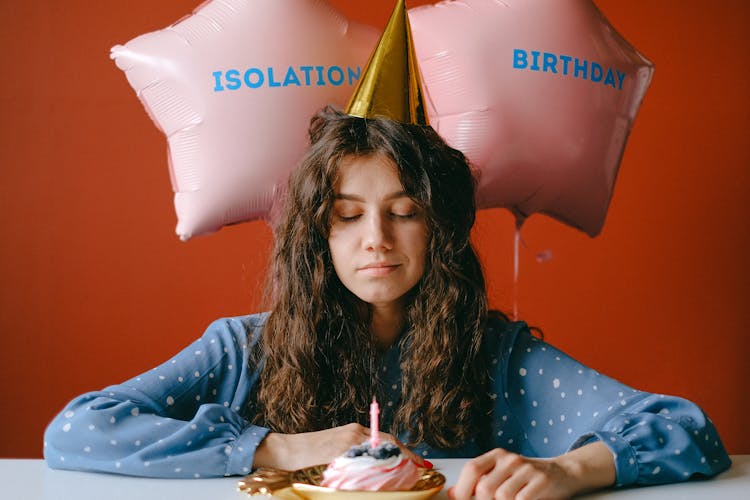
183,418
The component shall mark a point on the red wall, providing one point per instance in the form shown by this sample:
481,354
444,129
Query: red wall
95,287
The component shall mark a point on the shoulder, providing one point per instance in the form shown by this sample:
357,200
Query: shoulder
239,330
502,336
509,345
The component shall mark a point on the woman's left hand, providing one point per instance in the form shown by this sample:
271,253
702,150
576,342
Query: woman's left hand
502,475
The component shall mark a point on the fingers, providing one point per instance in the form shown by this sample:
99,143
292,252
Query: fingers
540,487
472,472
356,434
497,474
412,456
493,484
512,484
404,450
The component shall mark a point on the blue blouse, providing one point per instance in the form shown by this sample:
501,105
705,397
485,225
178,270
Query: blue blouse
183,419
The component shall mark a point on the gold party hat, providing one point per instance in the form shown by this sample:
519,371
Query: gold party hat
390,86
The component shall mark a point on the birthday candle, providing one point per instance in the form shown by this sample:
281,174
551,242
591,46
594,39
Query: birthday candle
374,411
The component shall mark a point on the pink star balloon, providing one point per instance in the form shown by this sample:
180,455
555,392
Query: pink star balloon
540,95
233,87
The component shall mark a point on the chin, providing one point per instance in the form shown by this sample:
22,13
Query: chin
382,299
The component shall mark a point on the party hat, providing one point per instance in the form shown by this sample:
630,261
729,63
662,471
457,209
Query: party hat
390,86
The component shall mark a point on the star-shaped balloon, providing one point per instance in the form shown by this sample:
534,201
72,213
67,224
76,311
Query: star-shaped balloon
540,95
233,87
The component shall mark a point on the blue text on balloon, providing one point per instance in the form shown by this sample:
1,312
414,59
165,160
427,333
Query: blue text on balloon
299,76
548,62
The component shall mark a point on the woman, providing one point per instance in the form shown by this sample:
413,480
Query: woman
376,290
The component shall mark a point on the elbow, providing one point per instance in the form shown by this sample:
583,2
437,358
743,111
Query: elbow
64,434
55,440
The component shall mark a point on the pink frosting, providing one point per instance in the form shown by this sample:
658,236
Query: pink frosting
368,474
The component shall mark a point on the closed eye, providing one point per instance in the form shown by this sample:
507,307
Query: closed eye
407,216
349,218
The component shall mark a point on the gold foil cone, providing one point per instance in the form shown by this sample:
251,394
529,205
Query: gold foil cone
391,86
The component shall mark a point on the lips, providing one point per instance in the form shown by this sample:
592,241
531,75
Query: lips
375,265
378,268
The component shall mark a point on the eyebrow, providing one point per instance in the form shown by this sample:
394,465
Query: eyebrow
388,197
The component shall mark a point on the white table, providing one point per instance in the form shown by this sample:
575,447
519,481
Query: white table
32,480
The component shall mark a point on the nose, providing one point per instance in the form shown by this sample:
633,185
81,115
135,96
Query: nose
377,233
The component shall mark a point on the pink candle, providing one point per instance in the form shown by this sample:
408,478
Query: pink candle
374,430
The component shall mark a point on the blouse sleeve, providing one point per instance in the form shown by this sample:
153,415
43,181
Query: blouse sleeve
560,404
180,420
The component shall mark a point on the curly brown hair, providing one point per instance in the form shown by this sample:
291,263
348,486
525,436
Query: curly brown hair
316,346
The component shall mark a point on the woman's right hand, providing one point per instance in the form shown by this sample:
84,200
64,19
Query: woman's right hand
296,451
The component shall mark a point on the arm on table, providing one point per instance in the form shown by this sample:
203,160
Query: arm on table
182,419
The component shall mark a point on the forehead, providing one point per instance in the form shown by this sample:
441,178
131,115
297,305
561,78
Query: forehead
366,173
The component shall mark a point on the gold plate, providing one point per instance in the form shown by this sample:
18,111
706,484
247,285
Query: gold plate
305,484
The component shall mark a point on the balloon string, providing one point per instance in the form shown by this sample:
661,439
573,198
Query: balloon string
516,266
540,257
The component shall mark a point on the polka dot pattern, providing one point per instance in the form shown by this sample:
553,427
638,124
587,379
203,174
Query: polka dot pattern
182,419
178,414
641,429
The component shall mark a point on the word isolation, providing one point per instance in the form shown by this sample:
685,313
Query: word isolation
297,76
548,62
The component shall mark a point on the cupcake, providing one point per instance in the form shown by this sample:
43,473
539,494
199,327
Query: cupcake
367,468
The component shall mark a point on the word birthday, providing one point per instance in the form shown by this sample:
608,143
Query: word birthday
548,62
299,76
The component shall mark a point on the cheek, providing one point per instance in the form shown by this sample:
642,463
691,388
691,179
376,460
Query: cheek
418,242
337,246
421,238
